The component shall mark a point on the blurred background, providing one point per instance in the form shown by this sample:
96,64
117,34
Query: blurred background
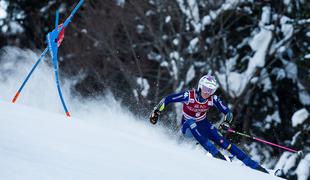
143,50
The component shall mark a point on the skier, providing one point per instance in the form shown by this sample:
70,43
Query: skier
196,103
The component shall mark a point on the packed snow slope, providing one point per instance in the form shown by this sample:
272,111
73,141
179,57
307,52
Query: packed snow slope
102,139
38,145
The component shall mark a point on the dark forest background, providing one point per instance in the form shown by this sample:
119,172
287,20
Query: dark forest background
143,50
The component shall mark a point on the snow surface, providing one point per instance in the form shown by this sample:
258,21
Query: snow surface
299,117
102,140
39,145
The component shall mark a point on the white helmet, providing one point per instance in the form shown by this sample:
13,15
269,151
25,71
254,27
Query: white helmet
207,84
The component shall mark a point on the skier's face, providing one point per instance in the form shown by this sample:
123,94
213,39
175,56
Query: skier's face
206,92
205,95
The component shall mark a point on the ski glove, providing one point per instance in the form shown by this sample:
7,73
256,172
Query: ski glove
227,121
154,116
156,112
228,118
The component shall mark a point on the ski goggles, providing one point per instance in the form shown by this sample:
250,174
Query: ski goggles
208,90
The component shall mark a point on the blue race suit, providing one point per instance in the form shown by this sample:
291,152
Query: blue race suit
195,123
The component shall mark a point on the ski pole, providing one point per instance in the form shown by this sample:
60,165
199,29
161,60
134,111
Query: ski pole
263,141
28,76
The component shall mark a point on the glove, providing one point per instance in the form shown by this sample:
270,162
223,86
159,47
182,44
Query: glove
227,121
154,116
224,126
156,112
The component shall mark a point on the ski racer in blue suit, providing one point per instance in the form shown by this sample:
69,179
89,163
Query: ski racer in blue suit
196,103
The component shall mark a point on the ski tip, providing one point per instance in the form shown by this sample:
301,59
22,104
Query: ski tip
15,97
68,114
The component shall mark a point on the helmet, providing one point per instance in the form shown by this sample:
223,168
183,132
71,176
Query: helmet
207,84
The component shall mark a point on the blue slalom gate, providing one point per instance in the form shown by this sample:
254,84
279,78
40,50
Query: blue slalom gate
54,39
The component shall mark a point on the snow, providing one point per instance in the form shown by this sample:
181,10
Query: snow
303,21
299,117
149,13
191,10
192,48
274,117
47,7
287,30
287,2
13,27
304,96
143,83
165,37
135,93
236,83
16,63
16,28
175,70
164,64
175,58
290,163
294,138
303,168
176,41
259,44
84,31
286,27
206,20
190,75
41,145
266,82
102,139
167,19
265,18
140,28
3,13
283,159
192,13
280,73
3,6
120,3
154,56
